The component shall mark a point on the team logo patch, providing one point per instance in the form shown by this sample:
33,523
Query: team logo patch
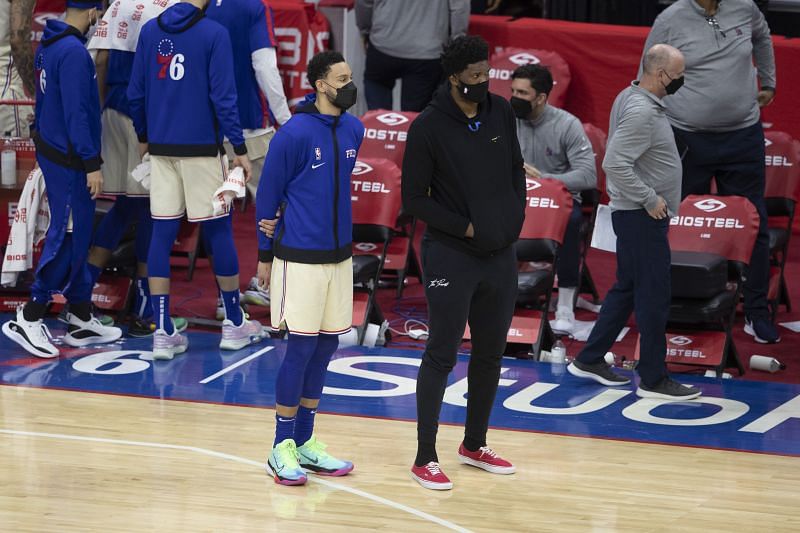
680,341
531,185
318,153
710,205
524,58
549,152
166,49
392,119
361,168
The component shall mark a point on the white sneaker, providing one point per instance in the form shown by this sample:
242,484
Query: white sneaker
92,331
256,295
165,347
33,337
237,337
564,324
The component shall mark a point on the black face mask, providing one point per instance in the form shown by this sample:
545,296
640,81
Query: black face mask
346,96
477,92
673,85
522,108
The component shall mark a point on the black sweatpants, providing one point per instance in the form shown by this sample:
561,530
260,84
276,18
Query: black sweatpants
420,78
462,288
643,286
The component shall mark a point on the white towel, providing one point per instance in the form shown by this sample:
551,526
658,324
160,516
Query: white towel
30,225
123,20
232,187
142,172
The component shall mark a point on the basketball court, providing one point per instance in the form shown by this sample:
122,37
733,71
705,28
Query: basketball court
113,441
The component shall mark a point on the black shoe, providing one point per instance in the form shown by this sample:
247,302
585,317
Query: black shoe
600,372
668,389
762,329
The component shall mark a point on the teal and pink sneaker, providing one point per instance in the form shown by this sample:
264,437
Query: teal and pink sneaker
314,458
282,464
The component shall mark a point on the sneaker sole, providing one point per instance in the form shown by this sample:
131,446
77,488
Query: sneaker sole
254,299
169,353
503,470
281,481
238,344
80,343
641,393
25,345
430,485
335,473
750,331
578,373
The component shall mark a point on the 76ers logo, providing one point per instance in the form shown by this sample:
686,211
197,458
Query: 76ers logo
169,61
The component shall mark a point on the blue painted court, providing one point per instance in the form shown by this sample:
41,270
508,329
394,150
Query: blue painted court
536,397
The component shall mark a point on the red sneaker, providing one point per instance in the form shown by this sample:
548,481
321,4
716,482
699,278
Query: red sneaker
431,476
486,459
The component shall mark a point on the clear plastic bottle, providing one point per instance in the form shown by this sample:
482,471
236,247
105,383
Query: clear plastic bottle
8,161
558,353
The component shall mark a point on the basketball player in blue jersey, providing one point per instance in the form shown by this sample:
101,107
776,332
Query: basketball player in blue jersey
182,99
308,263
120,157
67,140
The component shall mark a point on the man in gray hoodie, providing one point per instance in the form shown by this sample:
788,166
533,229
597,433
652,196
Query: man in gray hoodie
643,171
554,145
404,39
717,120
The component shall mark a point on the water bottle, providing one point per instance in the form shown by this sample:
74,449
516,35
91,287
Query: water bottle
8,162
558,354
765,364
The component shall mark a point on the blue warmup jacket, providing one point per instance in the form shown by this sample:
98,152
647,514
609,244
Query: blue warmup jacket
182,94
307,174
67,101
250,26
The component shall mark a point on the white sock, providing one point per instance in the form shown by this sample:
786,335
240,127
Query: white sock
566,298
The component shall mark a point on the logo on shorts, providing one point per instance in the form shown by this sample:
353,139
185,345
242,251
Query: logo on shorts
710,205
392,119
318,153
524,58
680,341
441,282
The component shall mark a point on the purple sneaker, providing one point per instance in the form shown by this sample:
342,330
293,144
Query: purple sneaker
237,337
165,347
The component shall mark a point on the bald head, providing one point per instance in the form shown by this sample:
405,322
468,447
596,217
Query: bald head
662,57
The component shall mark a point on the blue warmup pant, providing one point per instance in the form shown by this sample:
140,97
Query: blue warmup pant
62,267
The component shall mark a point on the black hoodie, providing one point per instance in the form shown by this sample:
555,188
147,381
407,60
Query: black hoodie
458,170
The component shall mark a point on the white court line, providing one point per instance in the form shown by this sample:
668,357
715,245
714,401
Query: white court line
237,364
228,457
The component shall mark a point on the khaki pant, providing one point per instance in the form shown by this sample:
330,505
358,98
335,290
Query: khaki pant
185,184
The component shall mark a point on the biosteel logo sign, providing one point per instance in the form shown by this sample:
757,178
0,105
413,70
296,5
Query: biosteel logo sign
709,205
537,201
392,119
680,341
361,168
524,58
677,347
531,184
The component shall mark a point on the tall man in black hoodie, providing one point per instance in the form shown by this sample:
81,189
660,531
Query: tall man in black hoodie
463,176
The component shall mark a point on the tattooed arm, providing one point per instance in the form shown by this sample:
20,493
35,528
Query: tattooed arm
21,47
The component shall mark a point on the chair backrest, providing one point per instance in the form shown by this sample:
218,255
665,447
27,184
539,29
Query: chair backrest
722,225
385,134
783,166
598,139
504,63
548,205
375,193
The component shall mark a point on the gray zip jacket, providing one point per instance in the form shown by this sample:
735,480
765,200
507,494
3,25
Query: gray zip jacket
556,144
721,89
412,29
642,161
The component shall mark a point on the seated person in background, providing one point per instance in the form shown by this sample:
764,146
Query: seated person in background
554,145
